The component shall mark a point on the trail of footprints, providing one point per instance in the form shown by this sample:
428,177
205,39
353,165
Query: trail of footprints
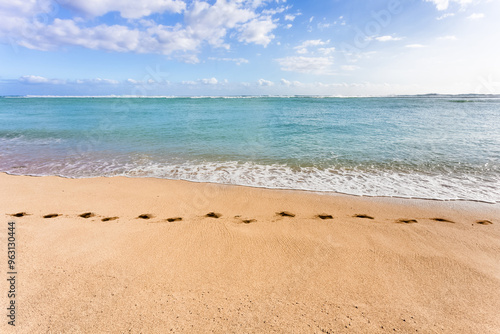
216,215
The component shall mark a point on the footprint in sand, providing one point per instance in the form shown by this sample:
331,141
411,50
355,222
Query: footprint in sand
213,215
324,216
443,220
174,219
107,219
19,214
363,216
285,214
145,216
51,215
484,222
87,215
406,221
248,221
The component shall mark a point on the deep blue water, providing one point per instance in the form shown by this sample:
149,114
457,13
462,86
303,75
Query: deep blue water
427,147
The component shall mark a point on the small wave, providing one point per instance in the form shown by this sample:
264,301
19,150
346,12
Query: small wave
23,140
353,181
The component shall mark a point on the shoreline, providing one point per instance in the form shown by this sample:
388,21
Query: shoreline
319,192
376,265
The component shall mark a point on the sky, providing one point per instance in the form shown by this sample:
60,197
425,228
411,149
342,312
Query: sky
249,47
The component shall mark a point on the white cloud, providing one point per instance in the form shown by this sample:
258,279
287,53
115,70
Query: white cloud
387,38
445,16
288,26
238,61
257,3
322,26
476,16
448,38
341,21
20,7
326,51
33,79
206,81
97,81
203,23
211,81
311,42
266,83
130,9
258,31
188,58
289,17
440,4
311,65
318,63
415,46
444,4
210,23
287,83
66,32
349,67
273,11
303,48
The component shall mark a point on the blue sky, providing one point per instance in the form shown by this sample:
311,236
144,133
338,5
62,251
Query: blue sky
252,47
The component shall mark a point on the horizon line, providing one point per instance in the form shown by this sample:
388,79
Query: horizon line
253,96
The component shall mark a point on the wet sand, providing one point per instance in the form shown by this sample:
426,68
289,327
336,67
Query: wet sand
116,255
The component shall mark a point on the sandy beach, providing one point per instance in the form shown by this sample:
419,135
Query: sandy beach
118,255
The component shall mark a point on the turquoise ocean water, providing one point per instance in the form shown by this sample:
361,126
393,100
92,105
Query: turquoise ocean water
440,147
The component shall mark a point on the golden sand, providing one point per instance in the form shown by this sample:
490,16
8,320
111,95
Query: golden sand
119,255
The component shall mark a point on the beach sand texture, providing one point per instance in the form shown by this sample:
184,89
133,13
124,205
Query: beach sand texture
119,255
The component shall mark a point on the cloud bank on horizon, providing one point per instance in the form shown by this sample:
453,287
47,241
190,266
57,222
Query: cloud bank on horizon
224,47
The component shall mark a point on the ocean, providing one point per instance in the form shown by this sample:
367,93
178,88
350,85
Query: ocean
433,147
